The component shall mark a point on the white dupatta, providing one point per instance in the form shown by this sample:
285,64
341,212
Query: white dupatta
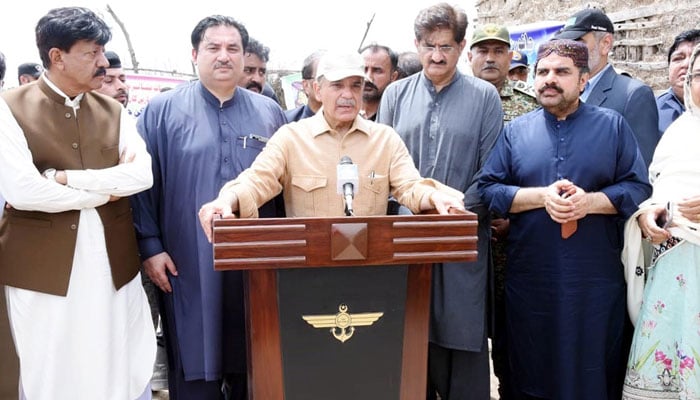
675,175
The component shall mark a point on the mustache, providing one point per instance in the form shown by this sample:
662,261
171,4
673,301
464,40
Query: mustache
101,71
551,86
370,85
254,85
220,64
441,62
345,103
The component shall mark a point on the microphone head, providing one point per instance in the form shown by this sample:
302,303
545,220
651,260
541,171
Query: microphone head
347,174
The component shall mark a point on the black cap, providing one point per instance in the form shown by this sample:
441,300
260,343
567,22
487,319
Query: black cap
584,21
32,69
113,58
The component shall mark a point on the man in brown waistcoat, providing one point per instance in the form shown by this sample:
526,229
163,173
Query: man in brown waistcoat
68,256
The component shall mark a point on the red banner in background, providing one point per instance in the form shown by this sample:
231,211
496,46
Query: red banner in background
142,88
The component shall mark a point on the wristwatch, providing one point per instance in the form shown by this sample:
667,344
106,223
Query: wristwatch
50,174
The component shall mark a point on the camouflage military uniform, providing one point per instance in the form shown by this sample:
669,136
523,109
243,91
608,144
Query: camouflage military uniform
517,99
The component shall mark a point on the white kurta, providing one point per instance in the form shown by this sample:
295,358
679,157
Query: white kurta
95,343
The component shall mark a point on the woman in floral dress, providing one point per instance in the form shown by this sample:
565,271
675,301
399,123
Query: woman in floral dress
664,296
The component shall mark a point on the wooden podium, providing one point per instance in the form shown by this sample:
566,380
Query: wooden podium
338,308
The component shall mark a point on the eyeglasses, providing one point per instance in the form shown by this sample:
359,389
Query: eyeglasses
442,49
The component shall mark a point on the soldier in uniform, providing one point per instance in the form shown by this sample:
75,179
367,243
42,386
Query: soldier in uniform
490,58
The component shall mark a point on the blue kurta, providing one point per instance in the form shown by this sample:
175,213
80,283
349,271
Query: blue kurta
298,113
449,135
670,107
198,144
565,299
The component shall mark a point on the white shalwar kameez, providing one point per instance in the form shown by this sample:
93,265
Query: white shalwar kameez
95,343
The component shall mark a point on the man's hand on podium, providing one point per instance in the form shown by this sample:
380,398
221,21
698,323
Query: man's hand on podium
442,202
206,214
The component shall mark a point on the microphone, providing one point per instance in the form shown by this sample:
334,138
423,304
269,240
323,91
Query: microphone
347,183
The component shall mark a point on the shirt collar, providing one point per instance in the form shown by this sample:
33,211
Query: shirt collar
429,84
213,100
594,81
319,125
552,118
68,102
675,99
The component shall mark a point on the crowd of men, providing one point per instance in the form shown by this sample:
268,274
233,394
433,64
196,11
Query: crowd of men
101,206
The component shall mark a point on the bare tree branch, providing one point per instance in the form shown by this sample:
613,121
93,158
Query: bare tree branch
369,24
132,53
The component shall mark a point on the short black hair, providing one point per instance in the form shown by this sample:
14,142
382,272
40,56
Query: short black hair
691,35
257,48
62,27
217,20
113,58
393,56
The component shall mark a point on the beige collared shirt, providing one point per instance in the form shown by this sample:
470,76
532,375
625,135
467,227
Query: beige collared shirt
302,157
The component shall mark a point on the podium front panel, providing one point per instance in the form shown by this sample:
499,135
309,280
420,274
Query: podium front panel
342,332
310,336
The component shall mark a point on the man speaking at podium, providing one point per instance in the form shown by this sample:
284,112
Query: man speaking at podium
324,161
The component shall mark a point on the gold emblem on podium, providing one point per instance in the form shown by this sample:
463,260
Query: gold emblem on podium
342,325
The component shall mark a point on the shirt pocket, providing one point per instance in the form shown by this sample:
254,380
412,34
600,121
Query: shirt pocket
375,193
111,153
247,149
309,196
29,222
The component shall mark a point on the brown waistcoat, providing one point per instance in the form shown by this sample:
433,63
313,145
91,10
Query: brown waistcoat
36,248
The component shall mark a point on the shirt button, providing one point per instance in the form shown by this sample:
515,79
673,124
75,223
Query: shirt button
74,145
68,115
561,158
73,227
225,159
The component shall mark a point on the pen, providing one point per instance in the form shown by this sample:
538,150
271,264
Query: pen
259,138
252,136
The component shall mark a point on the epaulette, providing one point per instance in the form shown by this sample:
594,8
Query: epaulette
523,87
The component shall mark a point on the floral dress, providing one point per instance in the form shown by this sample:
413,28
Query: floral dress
663,361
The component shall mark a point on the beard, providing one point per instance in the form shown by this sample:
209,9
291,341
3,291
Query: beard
373,94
